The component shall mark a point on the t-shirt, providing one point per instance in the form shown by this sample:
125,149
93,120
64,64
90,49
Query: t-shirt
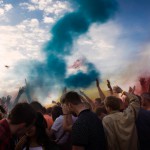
88,131
35,148
143,128
58,128
49,121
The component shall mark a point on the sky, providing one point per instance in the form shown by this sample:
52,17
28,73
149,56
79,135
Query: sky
118,48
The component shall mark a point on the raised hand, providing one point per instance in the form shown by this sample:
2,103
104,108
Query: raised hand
4,99
130,89
21,90
109,86
142,81
117,89
65,109
97,82
8,98
21,143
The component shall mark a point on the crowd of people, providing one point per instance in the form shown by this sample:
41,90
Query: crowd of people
120,121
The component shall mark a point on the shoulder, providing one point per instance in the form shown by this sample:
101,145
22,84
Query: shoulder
144,114
59,119
109,119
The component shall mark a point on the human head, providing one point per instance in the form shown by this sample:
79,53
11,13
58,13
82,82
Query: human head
37,106
49,111
72,100
71,97
112,103
101,112
97,102
38,132
56,112
38,126
21,118
145,100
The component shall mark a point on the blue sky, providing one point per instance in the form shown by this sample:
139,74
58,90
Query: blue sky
120,48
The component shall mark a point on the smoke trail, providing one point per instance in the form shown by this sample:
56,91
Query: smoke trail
64,32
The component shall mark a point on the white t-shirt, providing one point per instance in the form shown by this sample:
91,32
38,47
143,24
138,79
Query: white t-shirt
34,148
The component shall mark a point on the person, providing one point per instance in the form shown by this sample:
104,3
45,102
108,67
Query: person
87,131
101,112
120,128
61,137
39,108
20,92
143,122
20,120
36,138
98,102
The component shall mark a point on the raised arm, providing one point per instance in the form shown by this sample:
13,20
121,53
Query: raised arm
85,98
101,94
8,103
131,90
27,91
143,84
134,102
20,92
67,121
109,87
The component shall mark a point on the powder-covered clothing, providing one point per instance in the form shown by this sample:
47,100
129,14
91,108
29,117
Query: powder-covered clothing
120,128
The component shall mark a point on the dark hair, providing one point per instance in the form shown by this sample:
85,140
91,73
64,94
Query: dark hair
98,100
22,113
37,106
100,110
49,110
113,102
41,136
71,97
56,112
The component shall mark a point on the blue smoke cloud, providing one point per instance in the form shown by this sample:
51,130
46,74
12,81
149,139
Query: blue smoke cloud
81,79
64,32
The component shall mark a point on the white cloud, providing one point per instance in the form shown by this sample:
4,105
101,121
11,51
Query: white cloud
8,7
23,41
4,9
50,8
48,20
1,11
